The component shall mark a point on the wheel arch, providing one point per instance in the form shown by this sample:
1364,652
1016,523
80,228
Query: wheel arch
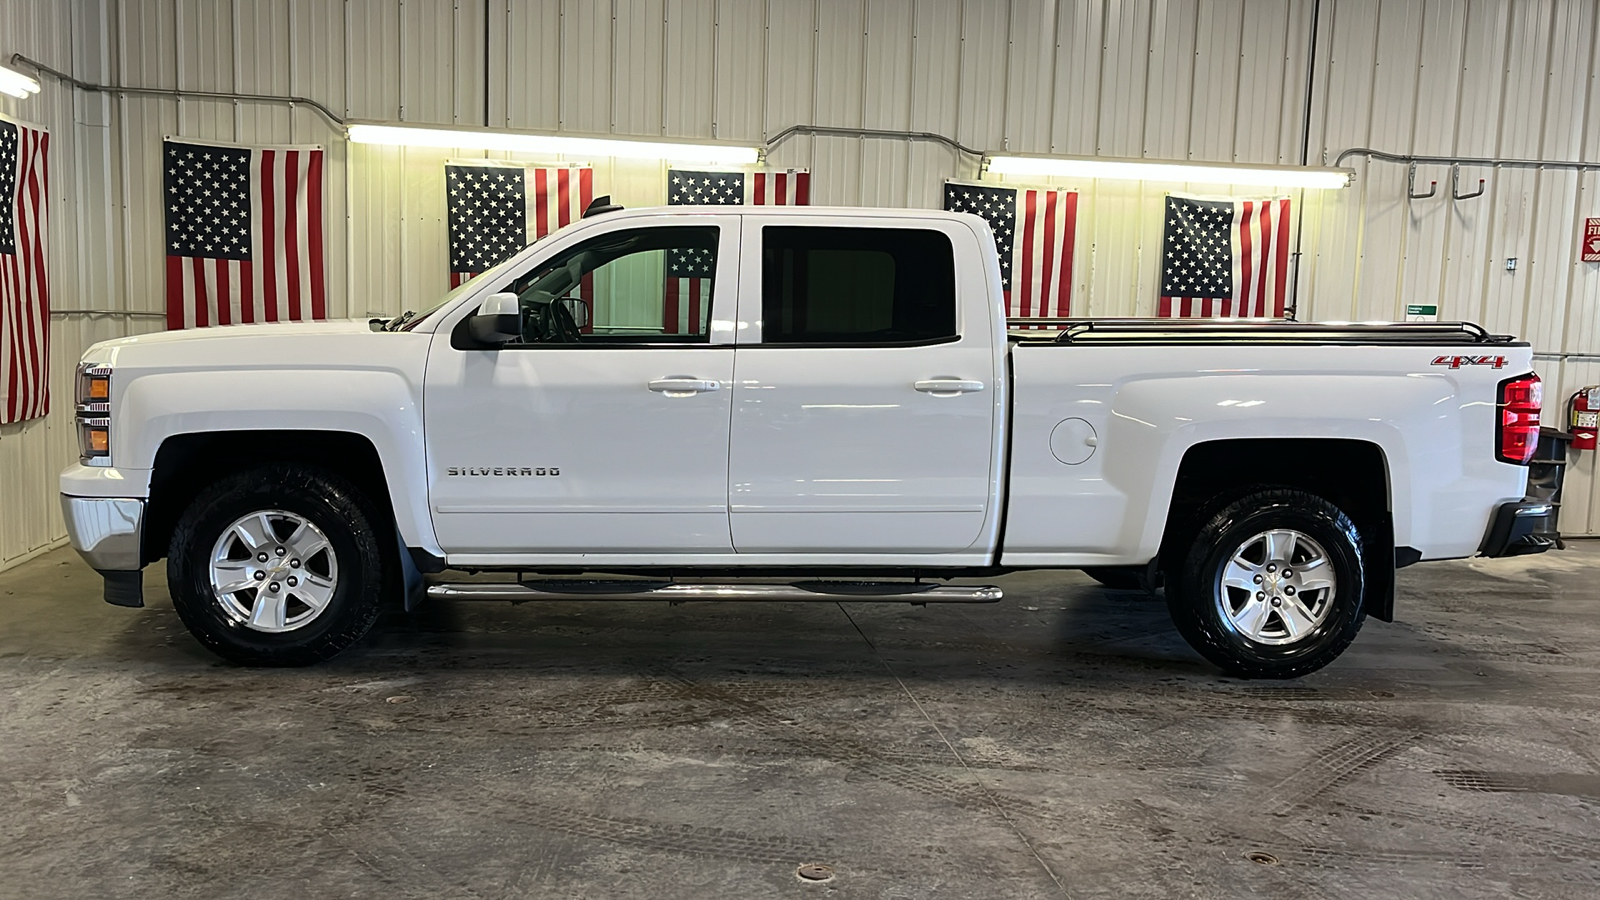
1352,474
186,463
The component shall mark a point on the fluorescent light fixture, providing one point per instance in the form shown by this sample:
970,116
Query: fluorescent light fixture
17,84
524,142
1172,170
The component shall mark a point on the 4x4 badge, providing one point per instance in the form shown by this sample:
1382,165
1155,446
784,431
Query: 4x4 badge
1456,362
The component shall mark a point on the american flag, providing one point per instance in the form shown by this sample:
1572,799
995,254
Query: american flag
491,217
1225,258
244,234
791,187
1033,233
24,286
689,271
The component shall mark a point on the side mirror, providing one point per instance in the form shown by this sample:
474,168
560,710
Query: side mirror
497,321
578,309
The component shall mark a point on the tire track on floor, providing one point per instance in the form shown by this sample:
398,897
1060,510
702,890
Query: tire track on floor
860,756
1335,766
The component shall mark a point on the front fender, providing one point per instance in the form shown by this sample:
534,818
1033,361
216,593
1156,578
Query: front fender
380,406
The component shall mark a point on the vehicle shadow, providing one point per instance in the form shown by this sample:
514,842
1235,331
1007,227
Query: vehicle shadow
1049,628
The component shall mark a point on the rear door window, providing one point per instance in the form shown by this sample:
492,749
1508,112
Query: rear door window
850,286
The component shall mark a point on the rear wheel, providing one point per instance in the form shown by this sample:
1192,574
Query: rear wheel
277,566
1272,586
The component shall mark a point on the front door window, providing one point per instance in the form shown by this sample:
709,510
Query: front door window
636,286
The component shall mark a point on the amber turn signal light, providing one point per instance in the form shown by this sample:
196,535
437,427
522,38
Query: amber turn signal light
97,440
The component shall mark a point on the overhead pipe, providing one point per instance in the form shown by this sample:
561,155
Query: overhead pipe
831,131
1484,162
174,92
331,116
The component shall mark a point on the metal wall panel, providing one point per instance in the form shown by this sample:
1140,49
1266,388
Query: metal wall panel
532,64
1392,123
688,80
1029,75
636,101
1124,69
983,61
887,66
427,61
587,62
262,67
1077,92
1169,84
1264,79
373,59
935,90
1195,79
1214,106
740,61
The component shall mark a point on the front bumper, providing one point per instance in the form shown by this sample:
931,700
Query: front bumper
108,532
1520,527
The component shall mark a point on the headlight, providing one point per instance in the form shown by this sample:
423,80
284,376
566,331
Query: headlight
93,403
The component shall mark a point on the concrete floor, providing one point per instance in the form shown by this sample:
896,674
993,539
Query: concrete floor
1062,743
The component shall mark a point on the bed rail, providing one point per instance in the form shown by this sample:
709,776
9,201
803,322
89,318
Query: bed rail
1267,331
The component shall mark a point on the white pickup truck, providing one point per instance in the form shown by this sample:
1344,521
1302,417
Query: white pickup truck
792,403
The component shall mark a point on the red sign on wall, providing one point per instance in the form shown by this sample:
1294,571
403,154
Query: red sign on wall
1591,240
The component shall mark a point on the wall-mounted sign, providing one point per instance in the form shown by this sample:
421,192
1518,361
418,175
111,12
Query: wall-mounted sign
1591,240
1422,312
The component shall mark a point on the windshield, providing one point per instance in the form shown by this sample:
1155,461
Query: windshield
417,319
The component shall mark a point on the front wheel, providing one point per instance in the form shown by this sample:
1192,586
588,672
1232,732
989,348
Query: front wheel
277,566
1272,586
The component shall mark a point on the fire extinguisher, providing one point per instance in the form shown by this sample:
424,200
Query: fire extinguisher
1583,417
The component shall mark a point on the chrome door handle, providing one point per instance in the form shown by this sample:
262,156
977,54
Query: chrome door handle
948,386
683,385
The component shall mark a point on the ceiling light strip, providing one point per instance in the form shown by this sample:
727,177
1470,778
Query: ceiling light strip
1180,171
568,145
17,84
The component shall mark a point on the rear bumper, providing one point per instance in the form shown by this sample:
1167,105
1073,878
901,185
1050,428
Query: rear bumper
1519,527
108,532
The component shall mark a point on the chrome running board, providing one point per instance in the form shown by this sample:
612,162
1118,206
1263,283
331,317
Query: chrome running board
679,592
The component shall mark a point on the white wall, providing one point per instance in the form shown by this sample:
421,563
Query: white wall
1184,79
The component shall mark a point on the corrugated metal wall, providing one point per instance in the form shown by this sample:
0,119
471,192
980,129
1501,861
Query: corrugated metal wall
1183,79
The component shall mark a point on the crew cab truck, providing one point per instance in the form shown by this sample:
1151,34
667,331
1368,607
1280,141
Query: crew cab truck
792,403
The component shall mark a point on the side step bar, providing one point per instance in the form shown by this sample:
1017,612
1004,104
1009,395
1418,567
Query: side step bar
679,592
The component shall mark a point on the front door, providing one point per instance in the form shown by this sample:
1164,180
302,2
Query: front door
865,408
605,428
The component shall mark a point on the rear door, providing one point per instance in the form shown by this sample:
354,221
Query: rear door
865,403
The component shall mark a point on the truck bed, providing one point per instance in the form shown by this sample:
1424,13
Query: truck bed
1099,436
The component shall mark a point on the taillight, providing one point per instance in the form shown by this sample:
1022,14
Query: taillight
1518,408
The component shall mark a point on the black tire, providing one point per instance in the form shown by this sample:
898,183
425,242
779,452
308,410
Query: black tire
1196,605
355,539
1118,578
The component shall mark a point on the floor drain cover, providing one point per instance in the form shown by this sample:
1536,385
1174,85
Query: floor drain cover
815,872
1262,857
